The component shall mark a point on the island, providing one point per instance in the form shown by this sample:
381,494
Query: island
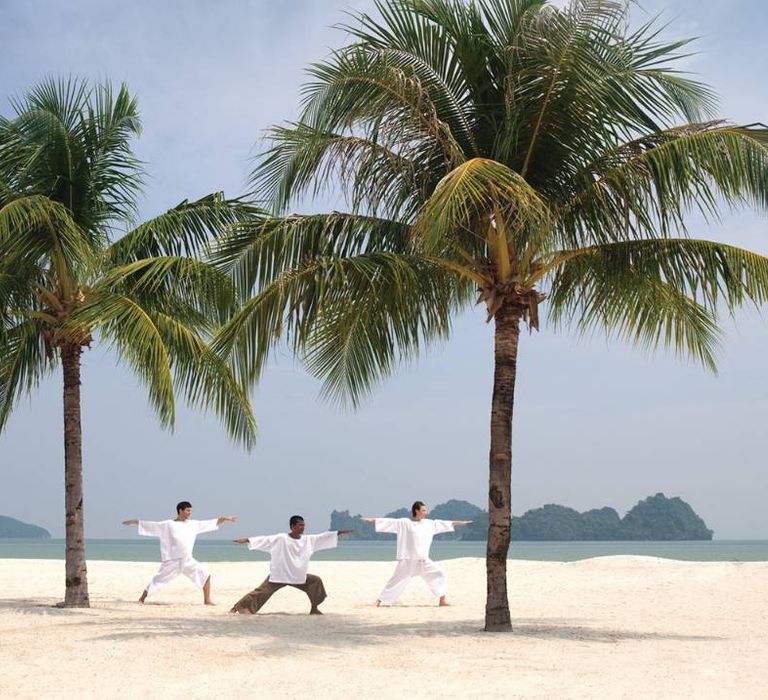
12,528
654,518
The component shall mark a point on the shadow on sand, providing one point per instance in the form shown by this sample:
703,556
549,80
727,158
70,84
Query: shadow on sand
278,633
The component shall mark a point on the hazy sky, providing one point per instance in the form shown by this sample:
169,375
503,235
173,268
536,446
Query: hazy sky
595,423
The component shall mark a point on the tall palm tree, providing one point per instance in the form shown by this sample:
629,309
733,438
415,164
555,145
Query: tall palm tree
496,151
68,183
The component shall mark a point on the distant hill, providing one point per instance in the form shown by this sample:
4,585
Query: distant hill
10,527
451,510
655,518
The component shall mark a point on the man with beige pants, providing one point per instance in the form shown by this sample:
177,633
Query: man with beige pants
289,560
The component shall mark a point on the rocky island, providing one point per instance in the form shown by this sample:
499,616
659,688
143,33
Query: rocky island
12,528
655,518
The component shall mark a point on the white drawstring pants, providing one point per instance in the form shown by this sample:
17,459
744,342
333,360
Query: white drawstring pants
169,570
405,570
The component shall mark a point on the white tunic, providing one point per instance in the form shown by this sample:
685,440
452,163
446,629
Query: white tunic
414,537
290,556
177,538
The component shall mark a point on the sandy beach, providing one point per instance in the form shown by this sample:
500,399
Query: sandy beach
612,627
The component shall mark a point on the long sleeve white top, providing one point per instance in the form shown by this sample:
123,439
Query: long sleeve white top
177,538
289,556
414,537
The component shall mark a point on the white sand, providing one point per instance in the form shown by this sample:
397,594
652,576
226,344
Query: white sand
613,627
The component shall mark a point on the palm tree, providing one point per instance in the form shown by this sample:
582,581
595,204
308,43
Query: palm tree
68,181
496,151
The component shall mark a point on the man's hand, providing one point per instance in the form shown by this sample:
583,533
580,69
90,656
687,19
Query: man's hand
462,522
241,540
226,519
130,522
344,532
368,520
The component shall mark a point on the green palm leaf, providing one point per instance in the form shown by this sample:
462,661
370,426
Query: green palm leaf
133,332
206,380
257,252
23,363
187,229
711,273
647,185
473,195
163,282
35,230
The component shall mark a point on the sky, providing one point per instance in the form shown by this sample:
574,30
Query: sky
596,423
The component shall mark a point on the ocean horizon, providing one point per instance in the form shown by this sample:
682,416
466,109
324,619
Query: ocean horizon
213,550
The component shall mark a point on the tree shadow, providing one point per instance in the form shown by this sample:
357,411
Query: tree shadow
35,606
286,633
289,632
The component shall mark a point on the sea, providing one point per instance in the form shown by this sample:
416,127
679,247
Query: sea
224,550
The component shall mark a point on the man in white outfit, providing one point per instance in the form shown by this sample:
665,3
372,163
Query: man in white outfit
177,539
414,538
289,555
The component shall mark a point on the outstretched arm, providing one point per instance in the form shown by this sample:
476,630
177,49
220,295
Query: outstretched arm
461,522
382,524
344,532
264,543
147,528
226,519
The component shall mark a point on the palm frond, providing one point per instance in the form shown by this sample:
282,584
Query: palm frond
476,57
711,273
365,94
135,335
23,363
205,379
184,230
160,282
412,42
579,81
71,143
656,292
257,252
357,85
115,174
374,175
304,303
641,311
34,230
467,200
374,322
645,187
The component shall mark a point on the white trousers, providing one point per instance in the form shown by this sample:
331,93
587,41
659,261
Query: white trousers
405,570
169,570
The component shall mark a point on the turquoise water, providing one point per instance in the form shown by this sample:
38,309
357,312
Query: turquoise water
222,550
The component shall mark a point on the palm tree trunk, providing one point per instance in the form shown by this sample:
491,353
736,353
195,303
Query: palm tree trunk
76,592
507,320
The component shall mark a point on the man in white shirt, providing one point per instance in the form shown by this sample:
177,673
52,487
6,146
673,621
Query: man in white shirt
289,560
414,538
177,539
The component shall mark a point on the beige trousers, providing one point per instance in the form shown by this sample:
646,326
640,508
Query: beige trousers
253,601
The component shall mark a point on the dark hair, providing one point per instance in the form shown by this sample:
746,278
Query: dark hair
416,507
182,505
294,519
